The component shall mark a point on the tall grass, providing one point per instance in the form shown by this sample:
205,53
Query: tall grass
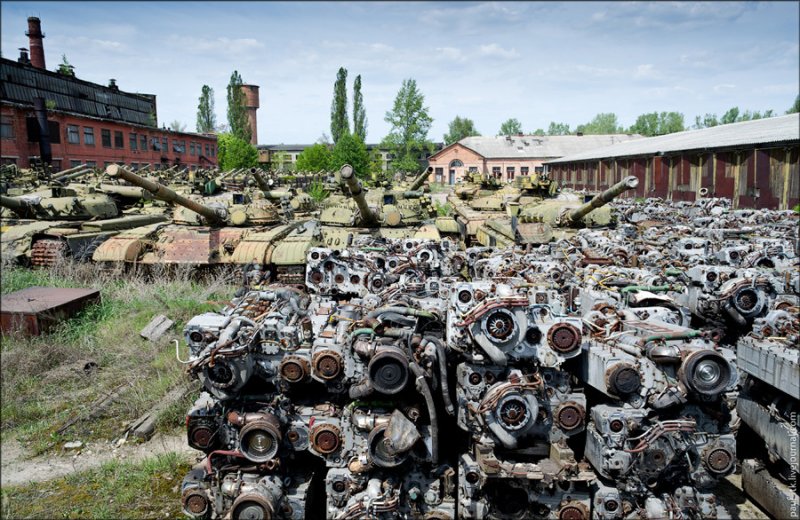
50,379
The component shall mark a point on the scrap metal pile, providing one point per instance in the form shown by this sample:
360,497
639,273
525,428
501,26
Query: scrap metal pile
592,377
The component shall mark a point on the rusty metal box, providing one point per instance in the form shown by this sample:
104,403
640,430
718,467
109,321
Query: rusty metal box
34,310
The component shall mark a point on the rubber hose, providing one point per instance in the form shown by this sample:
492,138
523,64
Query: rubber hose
425,390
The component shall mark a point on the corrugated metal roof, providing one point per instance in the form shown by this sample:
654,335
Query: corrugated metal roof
22,83
761,131
540,147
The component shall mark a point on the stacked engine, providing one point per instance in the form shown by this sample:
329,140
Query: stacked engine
594,377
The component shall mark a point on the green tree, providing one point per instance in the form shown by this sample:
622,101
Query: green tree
233,152
558,129
731,116
359,112
177,126
458,129
339,124
796,107
409,119
539,131
655,123
314,158
511,127
706,121
237,113
65,67
351,150
206,119
603,123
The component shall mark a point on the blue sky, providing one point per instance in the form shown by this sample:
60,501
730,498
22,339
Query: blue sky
538,62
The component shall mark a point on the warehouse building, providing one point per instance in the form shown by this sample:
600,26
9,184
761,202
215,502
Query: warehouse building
79,122
754,163
505,157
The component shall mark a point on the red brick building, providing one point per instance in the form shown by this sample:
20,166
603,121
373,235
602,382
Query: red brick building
505,157
756,164
86,122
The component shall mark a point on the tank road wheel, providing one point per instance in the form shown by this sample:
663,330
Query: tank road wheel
48,252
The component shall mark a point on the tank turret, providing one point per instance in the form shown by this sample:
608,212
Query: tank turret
368,217
600,200
215,217
61,204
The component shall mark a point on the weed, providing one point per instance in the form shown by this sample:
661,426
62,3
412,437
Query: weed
443,210
62,375
144,489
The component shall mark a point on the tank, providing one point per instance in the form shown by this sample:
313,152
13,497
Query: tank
541,222
43,226
379,212
233,228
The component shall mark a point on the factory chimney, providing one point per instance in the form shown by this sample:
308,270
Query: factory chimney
35,37
251,105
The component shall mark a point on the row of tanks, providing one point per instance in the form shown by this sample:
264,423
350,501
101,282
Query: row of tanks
604,375
258,224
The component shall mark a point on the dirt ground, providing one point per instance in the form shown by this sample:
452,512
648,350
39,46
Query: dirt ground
18,469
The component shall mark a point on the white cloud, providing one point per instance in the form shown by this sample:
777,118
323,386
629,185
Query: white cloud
646,71
494,50
451,53
723,87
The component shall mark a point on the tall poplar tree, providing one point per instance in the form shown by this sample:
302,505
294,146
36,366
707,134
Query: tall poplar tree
237,113
339,124
359,112
206,119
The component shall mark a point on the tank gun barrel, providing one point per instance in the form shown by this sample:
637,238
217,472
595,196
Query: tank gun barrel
603,198
71,170
348,176
74,175
13,204
262,183
419,181
161,192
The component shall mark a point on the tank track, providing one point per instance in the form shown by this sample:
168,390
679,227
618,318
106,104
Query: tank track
48,252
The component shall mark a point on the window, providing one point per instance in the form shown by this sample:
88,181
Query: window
208,153
105,136
439,174
7,128
496,171
73,137
510,172
539,169
73,163
473,169
191,148
156,142
143,142
56,165
119,140
88,136
213,151
33,130
134,166
524,170
456,163
164,145
178,146
8,161
91,164
134,142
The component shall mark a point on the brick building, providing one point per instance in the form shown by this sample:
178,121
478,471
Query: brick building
86,122
508,156
756,164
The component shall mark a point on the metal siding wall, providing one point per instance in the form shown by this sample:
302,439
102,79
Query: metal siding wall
724,182
764,182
